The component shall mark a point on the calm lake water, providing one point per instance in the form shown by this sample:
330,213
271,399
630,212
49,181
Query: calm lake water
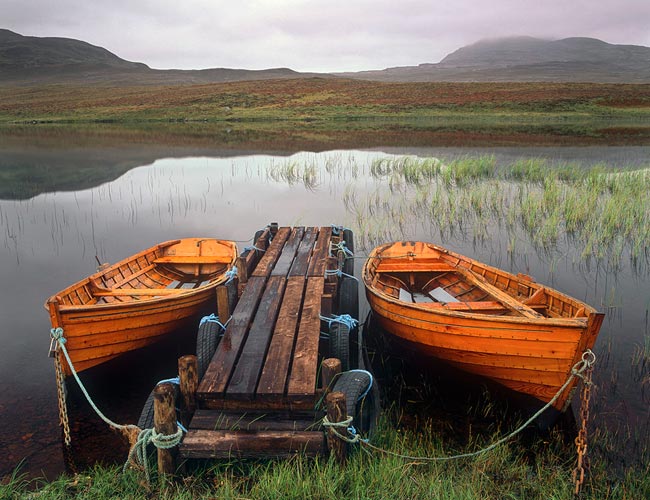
63,206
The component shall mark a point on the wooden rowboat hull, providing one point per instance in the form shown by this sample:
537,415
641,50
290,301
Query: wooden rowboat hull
137,301
503,327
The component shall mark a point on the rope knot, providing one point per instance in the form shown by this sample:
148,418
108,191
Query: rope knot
57,334
231,274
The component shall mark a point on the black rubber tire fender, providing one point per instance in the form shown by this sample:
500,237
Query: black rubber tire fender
354,384
207,340
348,302
340,344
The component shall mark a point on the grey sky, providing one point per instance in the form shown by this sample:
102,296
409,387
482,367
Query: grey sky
331,35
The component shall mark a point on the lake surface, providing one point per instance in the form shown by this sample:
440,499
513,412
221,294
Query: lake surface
62,208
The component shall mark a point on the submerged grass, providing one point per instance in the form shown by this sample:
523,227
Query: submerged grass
539,470
602,211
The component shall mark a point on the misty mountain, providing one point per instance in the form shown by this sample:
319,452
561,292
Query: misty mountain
28,60
528,59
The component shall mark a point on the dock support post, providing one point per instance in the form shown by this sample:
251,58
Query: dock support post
188,370
330,368
336,412
223,303
164,417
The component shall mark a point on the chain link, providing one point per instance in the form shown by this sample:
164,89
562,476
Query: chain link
581,440
64,419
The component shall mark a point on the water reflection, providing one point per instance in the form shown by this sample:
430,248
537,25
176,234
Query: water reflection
51,239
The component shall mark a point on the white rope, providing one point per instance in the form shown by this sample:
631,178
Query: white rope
588,359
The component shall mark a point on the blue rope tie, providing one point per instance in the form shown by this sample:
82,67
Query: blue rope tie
231,274
175,380
213,318
344,319
253,247
336,230
341,247
340,274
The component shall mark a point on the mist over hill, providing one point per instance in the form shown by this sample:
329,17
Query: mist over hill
528,59
29,60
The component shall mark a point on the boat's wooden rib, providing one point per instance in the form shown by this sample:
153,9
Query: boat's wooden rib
134,302
488,322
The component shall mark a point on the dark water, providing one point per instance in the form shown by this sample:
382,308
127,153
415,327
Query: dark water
62,206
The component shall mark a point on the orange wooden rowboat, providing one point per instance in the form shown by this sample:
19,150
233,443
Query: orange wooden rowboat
480,319
133,303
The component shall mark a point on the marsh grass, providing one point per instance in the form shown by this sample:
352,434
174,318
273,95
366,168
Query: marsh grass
540,468
604,212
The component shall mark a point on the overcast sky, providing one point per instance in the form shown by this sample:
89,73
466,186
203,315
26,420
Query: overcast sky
330,35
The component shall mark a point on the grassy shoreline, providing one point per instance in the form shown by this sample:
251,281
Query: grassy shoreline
328,100
536,467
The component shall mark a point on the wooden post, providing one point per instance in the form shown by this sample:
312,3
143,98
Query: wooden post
242,270
188,373
164,417
330,368
336,412
223,305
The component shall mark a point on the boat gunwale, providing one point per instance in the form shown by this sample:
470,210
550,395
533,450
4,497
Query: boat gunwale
55,299
579,322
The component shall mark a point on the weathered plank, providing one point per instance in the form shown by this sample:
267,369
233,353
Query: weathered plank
276,367
267,262
255,421
249,258
283,264
318,262
249,365
255,444
296,403
302,380
223,362
301,262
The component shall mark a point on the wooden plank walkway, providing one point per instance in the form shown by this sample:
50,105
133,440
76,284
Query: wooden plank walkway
259,394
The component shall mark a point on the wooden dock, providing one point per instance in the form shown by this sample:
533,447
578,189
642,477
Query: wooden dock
260,394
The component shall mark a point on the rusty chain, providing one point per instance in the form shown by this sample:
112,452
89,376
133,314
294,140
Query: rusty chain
578,475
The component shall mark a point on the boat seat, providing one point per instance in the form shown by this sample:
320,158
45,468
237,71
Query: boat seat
193,259
413,266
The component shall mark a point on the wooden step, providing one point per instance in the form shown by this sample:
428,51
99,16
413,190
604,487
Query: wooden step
201,443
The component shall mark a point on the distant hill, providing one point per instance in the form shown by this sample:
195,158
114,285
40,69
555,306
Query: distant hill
31,60
528,59
27,60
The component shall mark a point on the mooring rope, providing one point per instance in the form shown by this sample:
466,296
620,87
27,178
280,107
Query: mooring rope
144,436
253,247
587,361
57,335
339,273
344,319
231,274
138,453
213,318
